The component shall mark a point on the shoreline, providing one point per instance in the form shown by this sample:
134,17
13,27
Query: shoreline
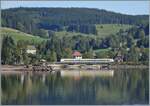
120,66
19,68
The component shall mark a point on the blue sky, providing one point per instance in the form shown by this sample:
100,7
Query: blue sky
126,7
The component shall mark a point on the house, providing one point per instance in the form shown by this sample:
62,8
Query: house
31,49
119,57
77,59
77,55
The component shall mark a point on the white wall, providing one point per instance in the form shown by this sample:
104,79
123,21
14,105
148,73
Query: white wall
31,51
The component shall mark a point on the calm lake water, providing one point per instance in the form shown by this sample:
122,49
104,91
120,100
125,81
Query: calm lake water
117,87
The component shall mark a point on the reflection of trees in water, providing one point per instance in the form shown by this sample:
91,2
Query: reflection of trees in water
125,87
14,91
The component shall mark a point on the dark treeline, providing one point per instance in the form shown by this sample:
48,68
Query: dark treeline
133,44
87,29
36,20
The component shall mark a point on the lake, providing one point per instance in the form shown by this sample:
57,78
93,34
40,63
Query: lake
130,86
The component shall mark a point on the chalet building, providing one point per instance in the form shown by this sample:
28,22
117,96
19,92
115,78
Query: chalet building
118,58
31,49
77,55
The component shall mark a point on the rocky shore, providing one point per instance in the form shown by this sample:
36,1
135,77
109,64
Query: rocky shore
12,68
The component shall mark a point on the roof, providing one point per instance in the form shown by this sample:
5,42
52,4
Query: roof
119,58
76,53
30,47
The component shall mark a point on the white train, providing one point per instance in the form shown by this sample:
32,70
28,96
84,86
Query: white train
96,61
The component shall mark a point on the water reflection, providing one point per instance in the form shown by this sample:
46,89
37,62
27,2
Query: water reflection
86,73
116,87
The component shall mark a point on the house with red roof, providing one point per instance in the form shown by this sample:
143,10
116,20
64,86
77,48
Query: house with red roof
77,59
77,55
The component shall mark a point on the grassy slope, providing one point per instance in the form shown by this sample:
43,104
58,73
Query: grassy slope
65,33
107,30
18,35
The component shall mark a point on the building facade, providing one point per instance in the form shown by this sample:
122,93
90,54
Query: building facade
77,55
31,50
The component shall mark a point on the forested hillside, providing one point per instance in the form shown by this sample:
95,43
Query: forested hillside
95,33
37,21
132,43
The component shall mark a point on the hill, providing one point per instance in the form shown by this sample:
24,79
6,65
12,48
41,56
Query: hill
81,20
108,29
103,30
18,35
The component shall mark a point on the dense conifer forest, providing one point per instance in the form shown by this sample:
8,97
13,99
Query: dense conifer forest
36,20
